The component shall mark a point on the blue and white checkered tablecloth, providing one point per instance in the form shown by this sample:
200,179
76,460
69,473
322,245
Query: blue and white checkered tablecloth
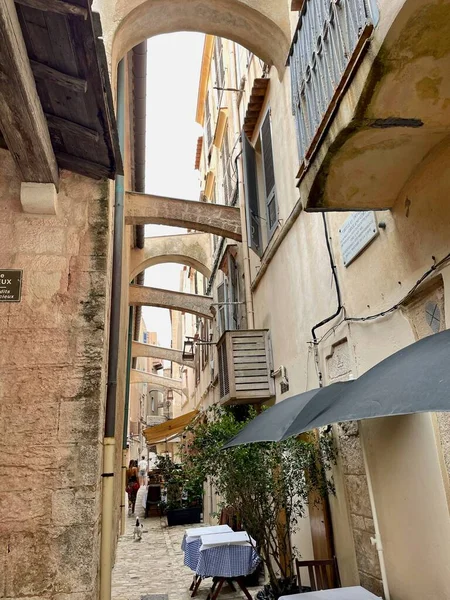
227,561
191,552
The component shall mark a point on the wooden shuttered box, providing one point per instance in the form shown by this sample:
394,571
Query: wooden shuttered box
245,367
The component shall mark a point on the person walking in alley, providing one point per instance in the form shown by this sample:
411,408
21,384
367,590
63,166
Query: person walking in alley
132,470
143,471
132,490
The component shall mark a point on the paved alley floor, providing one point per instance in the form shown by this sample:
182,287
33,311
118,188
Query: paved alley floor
155,564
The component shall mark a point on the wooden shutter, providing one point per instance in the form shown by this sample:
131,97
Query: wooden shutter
251,196
226,168
233,293
208,124
219,66
222,308
269,175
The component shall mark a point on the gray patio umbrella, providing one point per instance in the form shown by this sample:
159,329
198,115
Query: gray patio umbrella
413,380
274,424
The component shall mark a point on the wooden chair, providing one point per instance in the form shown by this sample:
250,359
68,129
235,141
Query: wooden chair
323,574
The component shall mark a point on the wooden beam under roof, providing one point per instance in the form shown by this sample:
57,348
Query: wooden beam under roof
82,166
255,105
44,72
22,119
72,128
57,6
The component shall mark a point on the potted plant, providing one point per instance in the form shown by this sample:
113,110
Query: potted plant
267,485
183,497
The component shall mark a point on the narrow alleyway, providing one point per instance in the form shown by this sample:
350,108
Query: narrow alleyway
154,566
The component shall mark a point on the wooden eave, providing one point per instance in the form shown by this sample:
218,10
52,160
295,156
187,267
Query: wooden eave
255,104
204,78
198,153
297,4
68,61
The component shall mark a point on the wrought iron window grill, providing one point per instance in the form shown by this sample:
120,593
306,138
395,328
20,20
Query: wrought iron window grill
330,36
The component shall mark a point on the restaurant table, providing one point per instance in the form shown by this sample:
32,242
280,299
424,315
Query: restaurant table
346,593
192,541
227,557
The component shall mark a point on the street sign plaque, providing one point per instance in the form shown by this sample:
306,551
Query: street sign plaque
356,234
10,285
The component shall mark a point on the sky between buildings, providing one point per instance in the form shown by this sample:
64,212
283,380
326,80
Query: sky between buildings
173,72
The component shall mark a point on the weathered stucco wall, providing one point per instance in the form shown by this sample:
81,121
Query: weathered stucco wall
52,382
296,292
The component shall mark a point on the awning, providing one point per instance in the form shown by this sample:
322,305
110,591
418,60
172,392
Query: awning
416,379
171,428
275,423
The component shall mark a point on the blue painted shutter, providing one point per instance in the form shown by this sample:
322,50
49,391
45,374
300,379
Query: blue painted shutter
269,175
251,196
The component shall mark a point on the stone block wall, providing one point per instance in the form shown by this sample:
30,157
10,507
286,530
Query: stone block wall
52,383
359,507
338,362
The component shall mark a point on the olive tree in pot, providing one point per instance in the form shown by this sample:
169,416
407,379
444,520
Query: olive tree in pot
183,503
267,484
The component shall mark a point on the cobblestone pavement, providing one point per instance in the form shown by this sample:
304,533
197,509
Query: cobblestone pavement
155,564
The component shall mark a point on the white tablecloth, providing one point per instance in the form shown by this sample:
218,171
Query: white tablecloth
347,593
197,532
225,539
192,541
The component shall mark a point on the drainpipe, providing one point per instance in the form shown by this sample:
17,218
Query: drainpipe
139,71
113,359
125,421
376,540
241,193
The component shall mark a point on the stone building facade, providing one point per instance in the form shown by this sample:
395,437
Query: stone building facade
52,387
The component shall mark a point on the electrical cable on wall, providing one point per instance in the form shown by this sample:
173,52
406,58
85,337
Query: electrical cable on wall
397,305
340,308
339,301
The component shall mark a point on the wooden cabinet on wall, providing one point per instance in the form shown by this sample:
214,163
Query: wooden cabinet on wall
245,367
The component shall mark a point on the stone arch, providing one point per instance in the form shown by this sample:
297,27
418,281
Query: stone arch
147,350
261,26
190,249
195,304
156,381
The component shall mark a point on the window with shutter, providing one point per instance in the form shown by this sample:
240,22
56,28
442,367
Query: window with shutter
226,170
233,309
219,67
203,347
197,364
251,196
208,126
222,297
269,175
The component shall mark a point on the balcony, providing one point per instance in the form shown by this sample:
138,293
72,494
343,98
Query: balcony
245,367
363,117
